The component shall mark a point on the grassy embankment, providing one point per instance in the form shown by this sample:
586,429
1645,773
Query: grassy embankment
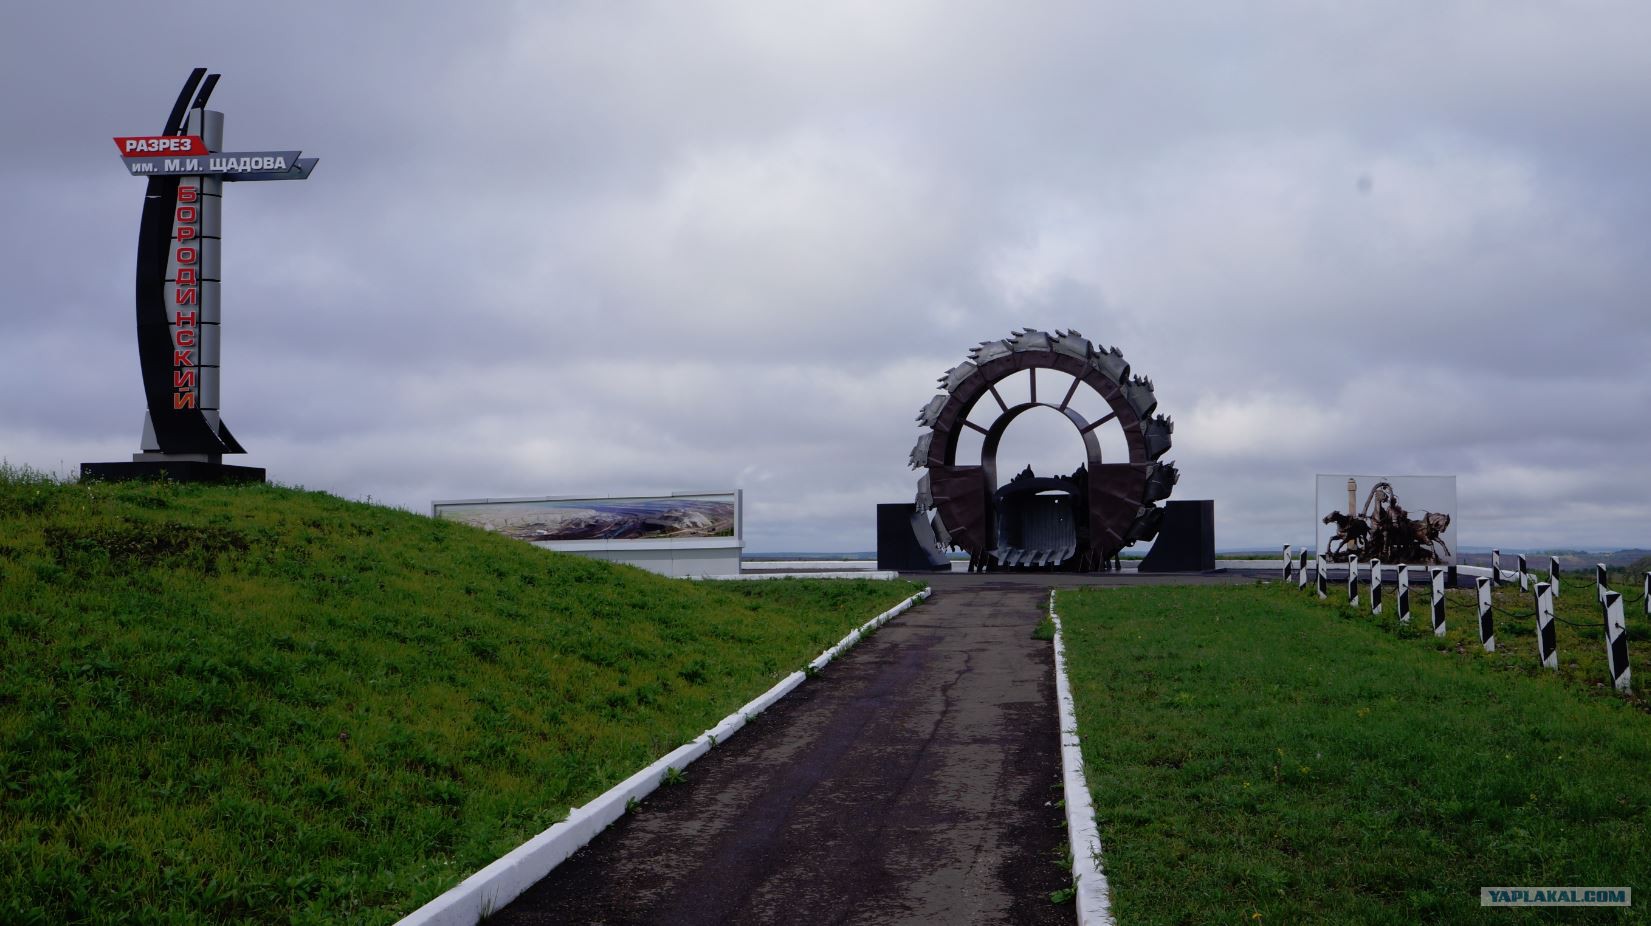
1259,756
264,704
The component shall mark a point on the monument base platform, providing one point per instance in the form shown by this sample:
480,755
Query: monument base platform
175,470
1186,539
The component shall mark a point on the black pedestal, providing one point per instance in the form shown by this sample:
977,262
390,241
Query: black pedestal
1186,539
899,545
175,470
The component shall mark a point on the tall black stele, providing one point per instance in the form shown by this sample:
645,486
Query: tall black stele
179,312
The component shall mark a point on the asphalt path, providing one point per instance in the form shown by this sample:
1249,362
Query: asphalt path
915,780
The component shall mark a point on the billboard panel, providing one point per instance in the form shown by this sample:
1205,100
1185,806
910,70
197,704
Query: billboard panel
688,516
1396,519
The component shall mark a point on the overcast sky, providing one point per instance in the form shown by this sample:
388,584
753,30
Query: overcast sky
604,247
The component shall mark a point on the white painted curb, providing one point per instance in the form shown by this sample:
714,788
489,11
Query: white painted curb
1093,898
524,866
760,576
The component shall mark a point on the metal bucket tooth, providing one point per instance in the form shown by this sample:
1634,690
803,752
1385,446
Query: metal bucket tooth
920,453
1158,431
1074,344
942,536
1145,526
1112,365
1138,391
956,375
925,496
930,413
988,351
1161,479
1030,339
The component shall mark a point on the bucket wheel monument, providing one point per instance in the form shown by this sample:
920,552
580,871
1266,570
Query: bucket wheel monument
1076,522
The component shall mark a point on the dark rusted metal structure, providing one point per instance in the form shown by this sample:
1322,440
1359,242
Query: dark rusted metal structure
1078,522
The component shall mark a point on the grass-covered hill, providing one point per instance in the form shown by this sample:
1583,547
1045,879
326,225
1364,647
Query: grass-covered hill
224,704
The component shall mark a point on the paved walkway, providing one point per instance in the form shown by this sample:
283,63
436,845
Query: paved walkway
916,780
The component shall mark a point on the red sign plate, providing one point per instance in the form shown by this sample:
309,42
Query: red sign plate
150,146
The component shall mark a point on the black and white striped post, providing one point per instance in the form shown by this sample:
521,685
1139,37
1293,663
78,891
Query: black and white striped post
1600,588
1352,582
1616,641
1645,594
1553,574
1375,587
1438,600
1322,583
1487,627
1496,567
1404,594
1524,575
1547,649
1287,562
1301,572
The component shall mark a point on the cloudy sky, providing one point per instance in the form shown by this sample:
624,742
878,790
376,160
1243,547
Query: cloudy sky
557,248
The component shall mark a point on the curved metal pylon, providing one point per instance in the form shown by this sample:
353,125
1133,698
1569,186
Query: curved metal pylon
172,429
1112,501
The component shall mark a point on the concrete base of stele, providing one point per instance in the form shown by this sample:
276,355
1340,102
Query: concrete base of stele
191,467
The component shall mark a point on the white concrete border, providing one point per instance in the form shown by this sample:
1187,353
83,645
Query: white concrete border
1093,898
760,576
505,879
833,565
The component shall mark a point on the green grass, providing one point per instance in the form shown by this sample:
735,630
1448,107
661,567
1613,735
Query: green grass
1259,756
1045,630
1579,627
223,704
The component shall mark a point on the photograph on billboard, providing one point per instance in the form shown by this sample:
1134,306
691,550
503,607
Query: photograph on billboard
676,517
1396,519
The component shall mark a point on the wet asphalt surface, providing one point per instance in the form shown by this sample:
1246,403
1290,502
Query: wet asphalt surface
915,780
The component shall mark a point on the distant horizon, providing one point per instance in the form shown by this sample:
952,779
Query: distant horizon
1509,550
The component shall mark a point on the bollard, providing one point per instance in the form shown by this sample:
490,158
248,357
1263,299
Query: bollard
1645,594
1438,601
1301,572
1487,629
1323,583
1375,587
1496,567
1352,582
1616,641
1600,588
1404,594
1553,574
1286,562
1524,575
1546,648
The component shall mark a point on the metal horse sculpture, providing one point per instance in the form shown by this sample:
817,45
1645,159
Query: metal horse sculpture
1351,532
1384,530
